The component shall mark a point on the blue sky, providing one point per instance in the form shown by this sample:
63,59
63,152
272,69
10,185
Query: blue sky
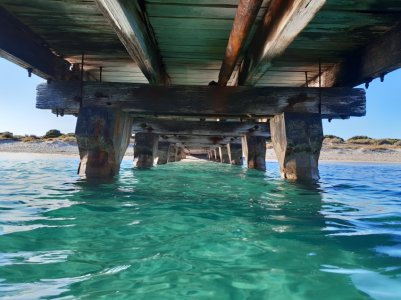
19,115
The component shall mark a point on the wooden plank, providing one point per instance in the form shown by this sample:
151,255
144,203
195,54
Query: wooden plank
204,100
132,26
199,128
376,59
21,46
188,140
282,23
173,10
245,16
71,28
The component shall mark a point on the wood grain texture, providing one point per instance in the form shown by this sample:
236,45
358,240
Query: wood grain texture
224,156
297,140
70,28
192,37
203,128
283,22
235,153
131,24
379,57
103,136
204,101
254,149
245,16
145,149
199,141
23,47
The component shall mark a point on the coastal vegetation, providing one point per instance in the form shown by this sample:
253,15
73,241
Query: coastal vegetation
361,142
330,141
51,135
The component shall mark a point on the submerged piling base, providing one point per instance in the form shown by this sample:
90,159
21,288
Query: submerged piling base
235,153
217,155
162,153
297,140
181,154
254,148
172,153
103,136
145,149
224,154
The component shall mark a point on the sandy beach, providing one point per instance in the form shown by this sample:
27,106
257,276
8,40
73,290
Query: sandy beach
361,154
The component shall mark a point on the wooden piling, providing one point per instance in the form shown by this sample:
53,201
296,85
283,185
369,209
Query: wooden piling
103,137
297,140
145,149
254,148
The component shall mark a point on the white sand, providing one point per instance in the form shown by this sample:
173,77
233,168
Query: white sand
353,155
50,147
350,155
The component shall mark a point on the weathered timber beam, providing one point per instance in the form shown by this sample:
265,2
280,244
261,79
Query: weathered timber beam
283,21
245,16
199,141
374,60
130,22
21,46
203,100
200,128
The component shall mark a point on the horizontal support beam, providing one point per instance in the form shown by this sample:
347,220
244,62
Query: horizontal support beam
374,60
200,128
245,16
21,46
203,100
283,21
199,141
131,24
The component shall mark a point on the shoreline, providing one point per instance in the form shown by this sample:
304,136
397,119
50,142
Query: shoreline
126,157
327,154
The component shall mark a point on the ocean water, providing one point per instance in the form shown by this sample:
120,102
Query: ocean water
198,231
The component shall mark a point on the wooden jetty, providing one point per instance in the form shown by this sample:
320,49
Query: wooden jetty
212,76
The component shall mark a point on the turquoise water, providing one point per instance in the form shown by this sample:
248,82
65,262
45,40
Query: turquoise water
198,231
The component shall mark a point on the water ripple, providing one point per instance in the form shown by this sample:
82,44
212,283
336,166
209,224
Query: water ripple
208,231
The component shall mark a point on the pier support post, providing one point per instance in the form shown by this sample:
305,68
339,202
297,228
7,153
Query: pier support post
214,155
224,156
235,153
181,153
103,136
254,148
217,154
145,149
171,153
297,140
162,153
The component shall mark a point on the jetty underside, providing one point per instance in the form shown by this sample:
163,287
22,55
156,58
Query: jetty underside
212,77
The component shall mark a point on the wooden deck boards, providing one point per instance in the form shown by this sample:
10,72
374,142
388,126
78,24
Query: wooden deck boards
192,37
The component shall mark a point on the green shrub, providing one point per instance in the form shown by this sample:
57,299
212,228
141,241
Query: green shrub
53,133
330,136
360,137
332,139
362,141
29,138
384,142
6,135
69,139
391,141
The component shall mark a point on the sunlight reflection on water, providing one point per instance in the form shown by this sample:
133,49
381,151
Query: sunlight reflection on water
188,230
